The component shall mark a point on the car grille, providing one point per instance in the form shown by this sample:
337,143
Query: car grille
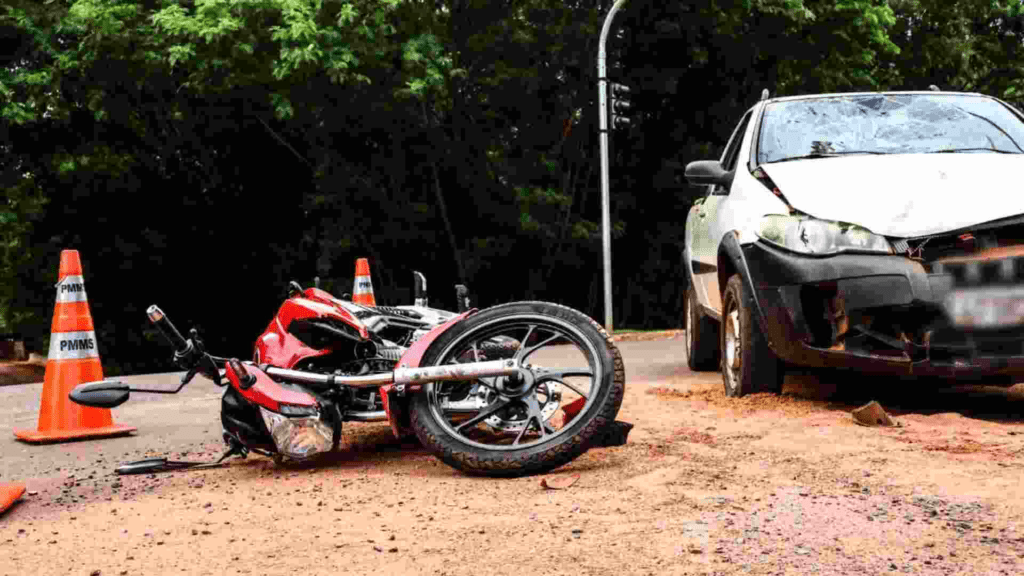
997,266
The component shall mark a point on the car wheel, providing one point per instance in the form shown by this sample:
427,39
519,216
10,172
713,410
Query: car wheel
748,364
701,336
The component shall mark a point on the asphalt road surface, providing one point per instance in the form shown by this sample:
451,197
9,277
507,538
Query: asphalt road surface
176,423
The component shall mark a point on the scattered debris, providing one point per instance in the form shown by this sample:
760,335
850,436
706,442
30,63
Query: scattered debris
872,414
559,482
614,435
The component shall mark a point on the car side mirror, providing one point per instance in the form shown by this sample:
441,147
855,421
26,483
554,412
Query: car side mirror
705,172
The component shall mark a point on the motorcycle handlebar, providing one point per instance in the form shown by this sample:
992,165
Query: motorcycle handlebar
160,320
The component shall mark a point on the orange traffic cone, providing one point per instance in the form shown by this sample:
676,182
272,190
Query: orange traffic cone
73,359
362,292
9,494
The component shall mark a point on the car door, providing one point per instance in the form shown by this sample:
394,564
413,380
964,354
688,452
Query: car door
703,218
697,235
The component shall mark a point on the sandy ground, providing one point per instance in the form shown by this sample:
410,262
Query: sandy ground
706,485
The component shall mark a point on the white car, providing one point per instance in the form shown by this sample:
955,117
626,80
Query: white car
877,231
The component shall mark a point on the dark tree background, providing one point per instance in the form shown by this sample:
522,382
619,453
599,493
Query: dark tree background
202,153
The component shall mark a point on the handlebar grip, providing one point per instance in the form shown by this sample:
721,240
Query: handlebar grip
160,320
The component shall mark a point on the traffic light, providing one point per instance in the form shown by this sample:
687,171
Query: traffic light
621,106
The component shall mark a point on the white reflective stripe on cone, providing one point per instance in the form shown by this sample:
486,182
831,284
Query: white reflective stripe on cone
71,289
73,346
363,285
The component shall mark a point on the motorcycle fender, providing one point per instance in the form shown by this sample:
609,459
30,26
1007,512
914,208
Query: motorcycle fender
397,407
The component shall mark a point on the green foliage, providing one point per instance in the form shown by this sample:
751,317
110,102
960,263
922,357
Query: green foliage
24,204
972,45
212,143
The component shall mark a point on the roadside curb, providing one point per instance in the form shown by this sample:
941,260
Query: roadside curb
14,373
644,336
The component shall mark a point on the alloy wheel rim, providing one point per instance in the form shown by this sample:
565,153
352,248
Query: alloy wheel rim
545,386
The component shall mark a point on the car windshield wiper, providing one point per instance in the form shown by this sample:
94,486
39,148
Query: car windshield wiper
955,150
826,155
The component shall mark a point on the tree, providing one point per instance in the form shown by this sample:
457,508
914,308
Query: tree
202,153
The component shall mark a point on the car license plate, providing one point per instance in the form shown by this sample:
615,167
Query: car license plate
990,307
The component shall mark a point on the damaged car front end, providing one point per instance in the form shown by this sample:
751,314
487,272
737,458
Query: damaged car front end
893,241
946,306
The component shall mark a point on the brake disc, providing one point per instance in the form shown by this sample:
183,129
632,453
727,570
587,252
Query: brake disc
504,422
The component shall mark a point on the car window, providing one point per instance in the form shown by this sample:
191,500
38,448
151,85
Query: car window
888,124
732,151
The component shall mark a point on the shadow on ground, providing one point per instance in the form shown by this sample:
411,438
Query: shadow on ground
846,390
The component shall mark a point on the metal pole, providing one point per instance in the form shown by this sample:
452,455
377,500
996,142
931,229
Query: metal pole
606,232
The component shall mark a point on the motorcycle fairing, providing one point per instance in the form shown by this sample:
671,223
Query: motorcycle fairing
396,410
269,394
340,310
279,347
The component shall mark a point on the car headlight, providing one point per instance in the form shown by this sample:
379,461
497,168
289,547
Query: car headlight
812,236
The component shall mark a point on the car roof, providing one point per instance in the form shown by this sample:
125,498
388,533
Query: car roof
886,93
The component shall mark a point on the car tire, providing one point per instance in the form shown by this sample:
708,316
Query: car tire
701,336
748,363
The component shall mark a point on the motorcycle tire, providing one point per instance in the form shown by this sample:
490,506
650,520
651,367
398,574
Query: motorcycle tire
555,447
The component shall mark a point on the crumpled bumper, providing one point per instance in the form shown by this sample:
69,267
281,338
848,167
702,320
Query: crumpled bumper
878,313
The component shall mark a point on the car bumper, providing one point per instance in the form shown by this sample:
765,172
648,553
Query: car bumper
877,313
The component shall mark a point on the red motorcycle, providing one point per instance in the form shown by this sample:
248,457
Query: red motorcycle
514,389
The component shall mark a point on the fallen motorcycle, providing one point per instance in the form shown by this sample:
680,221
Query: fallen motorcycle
514,389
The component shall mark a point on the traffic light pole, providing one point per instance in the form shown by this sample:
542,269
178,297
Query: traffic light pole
606,232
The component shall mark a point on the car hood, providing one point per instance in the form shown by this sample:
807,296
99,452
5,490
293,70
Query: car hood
904,195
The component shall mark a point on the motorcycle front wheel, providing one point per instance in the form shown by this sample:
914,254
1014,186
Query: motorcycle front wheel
569,391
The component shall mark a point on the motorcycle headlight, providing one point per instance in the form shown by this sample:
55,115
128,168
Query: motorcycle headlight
819,237
298,436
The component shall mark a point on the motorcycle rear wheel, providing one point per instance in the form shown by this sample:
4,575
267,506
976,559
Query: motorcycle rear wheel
515,431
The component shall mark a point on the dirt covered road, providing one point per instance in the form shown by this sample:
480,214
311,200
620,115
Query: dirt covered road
706,485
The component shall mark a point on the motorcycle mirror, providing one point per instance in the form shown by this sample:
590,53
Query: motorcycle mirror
462,297
143,466
151,465
419,288
102,394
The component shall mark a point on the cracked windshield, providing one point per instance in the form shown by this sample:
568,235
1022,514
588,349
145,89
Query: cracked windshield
887,124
